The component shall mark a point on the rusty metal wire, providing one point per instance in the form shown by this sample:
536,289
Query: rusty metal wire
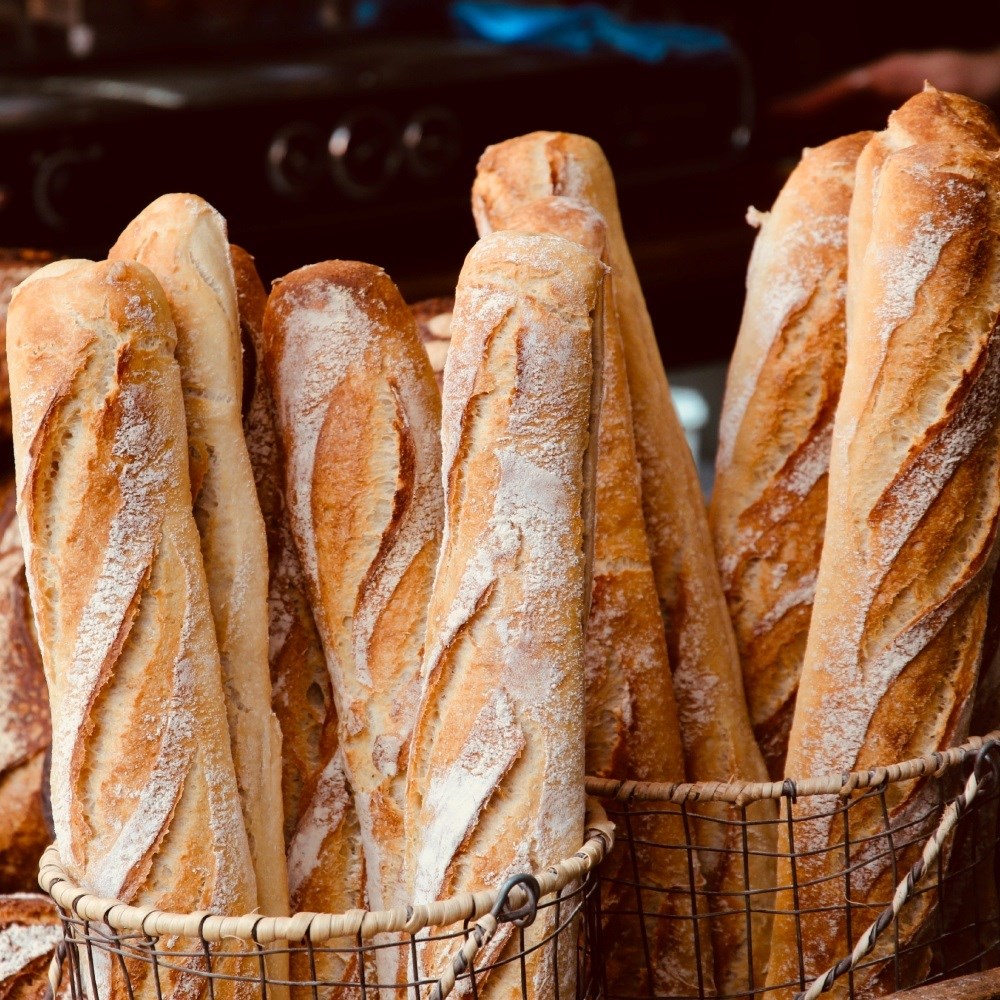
138,958
955,880
147,953
119,952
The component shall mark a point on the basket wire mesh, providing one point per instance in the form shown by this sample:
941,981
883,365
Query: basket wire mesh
117,952
201,961
955,897
940,861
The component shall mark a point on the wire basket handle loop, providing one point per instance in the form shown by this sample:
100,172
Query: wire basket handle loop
988,757
978,778
524,915
482,932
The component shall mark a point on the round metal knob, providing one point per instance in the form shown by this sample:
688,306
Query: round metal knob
365,153
432,140
296,160
64,185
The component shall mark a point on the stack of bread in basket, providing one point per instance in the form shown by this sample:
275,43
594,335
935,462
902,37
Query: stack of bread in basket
319,636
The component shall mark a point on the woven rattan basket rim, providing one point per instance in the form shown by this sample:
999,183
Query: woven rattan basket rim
744,792
319,927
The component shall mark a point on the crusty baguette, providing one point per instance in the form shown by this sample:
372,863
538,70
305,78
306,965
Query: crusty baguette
497,765
632,729
892,659
358,413
302,698
144,794
323,844
15,266
30,932
715,726
182,240
433,318
768,505
25,733
938,116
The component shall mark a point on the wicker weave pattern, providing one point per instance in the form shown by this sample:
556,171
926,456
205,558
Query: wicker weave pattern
316,927
968,933
744,792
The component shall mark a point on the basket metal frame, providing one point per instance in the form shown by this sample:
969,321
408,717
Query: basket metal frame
574,892
629,801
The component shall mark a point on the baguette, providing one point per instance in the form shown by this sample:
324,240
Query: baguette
768,505
25,731
632,729
302,698
144,795
495,783
938,116
358,414
30,932
433,318
715,726
322,839
182,240
15,266
892,660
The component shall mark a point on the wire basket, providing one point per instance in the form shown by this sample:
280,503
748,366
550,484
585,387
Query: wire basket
587,932
112,951
936,918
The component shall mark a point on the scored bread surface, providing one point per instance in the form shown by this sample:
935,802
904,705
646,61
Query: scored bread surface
892,660
182,240
359,412
25,732
715,727
768,505
497,765
15,266
302,697
322,840
632,729
144,794
30,932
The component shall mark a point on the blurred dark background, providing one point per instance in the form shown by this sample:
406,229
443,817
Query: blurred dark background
352,129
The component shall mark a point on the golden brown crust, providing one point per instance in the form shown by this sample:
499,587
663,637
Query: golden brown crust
251,300
427,310
936,115
316,800
24,831
25,732
768,505
358,413
30,931
182,240
715,726
144,795
495,784
433,318
15,266
632,725
302,697
914,500
25,715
